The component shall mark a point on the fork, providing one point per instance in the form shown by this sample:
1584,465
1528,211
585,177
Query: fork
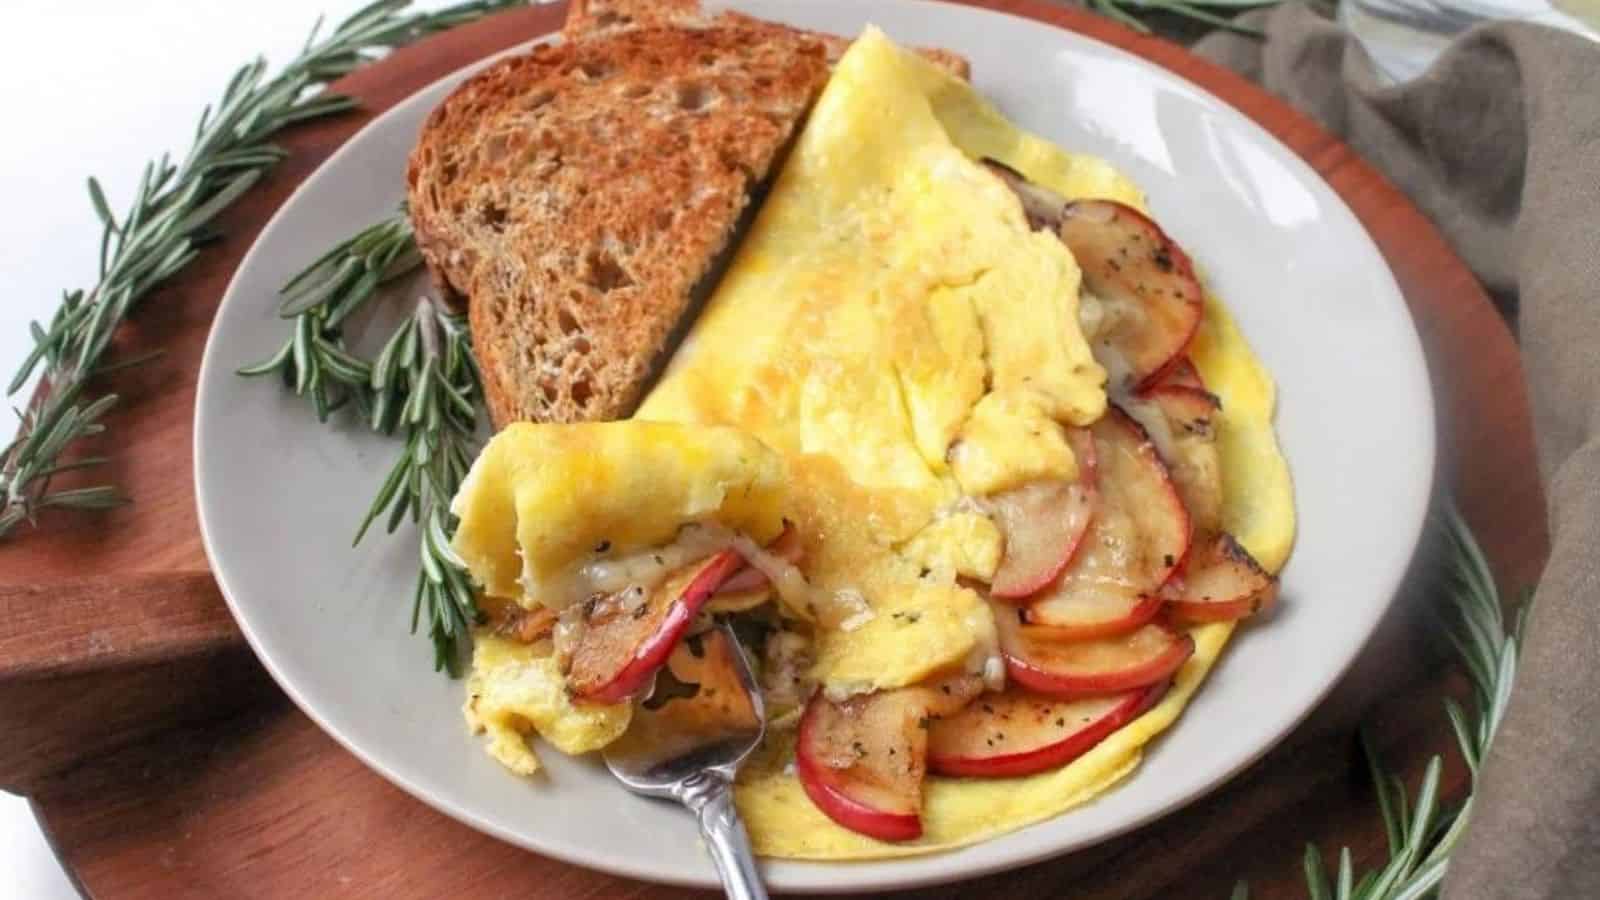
702,780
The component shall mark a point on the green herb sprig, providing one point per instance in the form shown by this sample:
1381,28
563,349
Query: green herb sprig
424,382
427,379
166,225
314,360
1422,834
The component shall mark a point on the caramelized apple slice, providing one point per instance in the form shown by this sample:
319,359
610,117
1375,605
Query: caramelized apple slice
1042,207
699,700
1190,450
1145,280
525,625
1143,277
1017,732
628,635
862,762
787,546
1190,410
1222,582
1137,539
1043,523
1037,658
1182,374
1087,615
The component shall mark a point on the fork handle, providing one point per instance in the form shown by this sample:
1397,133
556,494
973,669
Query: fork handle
711,798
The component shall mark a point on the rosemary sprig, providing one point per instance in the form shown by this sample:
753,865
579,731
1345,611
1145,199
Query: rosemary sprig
425,378
424,382
165,227
314,360
1421,834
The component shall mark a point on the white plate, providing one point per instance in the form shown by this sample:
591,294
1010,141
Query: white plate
280,495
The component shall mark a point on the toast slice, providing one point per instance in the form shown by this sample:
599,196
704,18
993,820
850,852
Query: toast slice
586,18
578,194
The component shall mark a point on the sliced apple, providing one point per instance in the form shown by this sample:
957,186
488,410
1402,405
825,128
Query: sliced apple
1144,279
1182,374
518,623
699,700
1018,732
1222,582
1191,450
787,546
1137,539
628,635
862,762
1039,659
1082,615
1042,206
1043,523
1189,410
949,695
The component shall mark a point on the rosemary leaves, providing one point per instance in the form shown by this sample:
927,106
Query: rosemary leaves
164,229
423,383
1421,834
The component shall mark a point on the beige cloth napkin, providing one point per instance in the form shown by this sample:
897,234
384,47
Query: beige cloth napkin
1499,143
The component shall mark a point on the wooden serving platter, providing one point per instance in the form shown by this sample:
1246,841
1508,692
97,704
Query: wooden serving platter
164,763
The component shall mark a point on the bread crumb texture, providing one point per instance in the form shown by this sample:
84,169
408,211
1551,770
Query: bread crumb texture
578,193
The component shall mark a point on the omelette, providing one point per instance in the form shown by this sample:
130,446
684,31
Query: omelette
945,446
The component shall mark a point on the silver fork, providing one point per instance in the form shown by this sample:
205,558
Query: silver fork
702,779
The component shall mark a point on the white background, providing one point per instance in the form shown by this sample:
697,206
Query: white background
98,87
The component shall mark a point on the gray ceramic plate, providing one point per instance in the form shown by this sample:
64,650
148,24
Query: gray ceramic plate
279,495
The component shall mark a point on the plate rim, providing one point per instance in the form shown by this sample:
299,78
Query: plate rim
921,866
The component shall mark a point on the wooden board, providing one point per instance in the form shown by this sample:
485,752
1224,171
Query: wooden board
164,763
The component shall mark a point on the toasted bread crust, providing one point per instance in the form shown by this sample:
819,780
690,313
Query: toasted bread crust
835,45
587,18
576,195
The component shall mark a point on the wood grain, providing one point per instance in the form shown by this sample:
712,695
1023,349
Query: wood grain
260,803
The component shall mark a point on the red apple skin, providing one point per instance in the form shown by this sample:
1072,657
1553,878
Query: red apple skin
1141,610
1188,409
1014,757
1059,513
1183,374
651,654
1136,487
827,788
1218,610
1126,257
1195,463
786,546
1224,584
1038,661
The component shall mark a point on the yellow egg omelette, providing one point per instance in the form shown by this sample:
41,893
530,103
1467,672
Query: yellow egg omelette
890,302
